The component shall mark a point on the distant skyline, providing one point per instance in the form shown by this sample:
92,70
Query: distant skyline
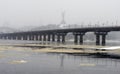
20,13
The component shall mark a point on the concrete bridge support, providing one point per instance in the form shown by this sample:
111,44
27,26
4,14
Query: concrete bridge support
44,37
97,39
48,37
5,37
14,37
103,34
76,38
32,37
103,39
61,37
80,34
0,37
19,37
81,39
39,37
8,37
36,37
58,38
25,37
53,37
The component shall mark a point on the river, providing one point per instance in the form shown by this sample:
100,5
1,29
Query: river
55,63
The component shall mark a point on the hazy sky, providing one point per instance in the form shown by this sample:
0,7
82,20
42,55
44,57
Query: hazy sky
18,13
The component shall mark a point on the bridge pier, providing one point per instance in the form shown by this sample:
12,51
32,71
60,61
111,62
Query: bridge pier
14,37
32,37
36,37
97,39
0,36
58,38
40,37
103,34
63,37
81,39
29,37
25,37
48,37
103,40
76,38
5,37
80,34
11,38
44,37
53,37
8,37
17,37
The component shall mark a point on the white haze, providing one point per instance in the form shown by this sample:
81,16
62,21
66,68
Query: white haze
20,13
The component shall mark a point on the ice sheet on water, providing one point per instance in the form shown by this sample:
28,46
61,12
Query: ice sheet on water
18,62
111,48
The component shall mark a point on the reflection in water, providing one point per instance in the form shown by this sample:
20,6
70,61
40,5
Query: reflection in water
54,63
105,62
62,56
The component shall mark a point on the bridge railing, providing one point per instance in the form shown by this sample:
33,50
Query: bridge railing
70,26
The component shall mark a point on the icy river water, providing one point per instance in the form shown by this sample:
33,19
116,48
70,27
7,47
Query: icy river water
29,62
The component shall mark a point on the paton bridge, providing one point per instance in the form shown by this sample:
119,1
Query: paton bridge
58,35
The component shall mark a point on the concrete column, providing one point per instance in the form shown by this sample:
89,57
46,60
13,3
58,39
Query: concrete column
103,34
53,37
32,37
97,39
48,39
75,38
44,37
58,38
14,37
63,37
40,37
81,39
36,37
103,39
19,38
8,37
0,37
24,37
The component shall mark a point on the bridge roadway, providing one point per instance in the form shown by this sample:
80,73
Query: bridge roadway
58,35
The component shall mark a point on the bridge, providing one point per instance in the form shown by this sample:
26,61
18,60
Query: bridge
58,35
